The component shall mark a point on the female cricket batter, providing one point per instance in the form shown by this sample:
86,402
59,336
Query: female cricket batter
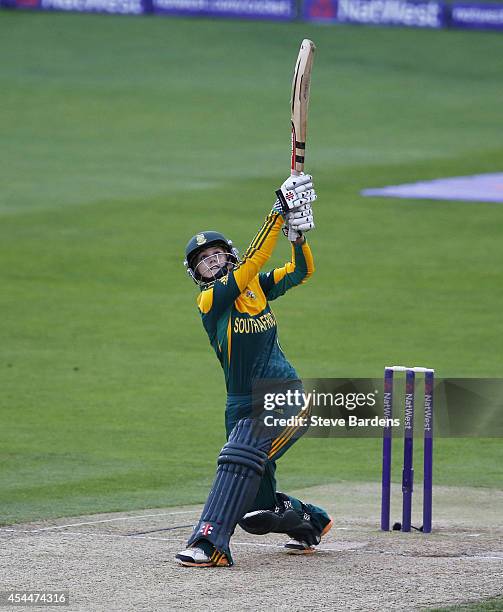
234,306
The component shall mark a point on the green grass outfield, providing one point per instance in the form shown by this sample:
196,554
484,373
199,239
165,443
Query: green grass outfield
120,137
489,605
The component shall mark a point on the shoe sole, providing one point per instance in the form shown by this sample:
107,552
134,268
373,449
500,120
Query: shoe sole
191,564
310,551
209,564
187,563
298,551
327,527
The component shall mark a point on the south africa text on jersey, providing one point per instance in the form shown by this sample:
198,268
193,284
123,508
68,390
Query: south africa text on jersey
256,325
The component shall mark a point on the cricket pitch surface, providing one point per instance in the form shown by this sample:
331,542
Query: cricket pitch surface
125,561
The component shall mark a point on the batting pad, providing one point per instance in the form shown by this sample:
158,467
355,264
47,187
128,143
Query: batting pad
241,464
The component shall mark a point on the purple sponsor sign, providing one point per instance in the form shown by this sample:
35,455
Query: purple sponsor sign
121,7
477,16
324,11
124,7
243,9
413,13
21,4
476,188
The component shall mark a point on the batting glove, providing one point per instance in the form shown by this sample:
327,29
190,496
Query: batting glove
294,193
298,222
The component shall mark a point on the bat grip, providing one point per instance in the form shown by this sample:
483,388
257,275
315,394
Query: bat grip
297,159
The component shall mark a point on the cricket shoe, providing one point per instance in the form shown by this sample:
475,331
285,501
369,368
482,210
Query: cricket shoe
196,557
297,547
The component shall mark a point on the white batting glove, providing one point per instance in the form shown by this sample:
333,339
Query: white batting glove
299,221
295,192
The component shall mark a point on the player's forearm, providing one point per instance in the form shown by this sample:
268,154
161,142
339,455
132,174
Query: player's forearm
300,268
260,249
304,266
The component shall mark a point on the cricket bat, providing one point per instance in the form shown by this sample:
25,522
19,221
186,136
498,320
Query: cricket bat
300,102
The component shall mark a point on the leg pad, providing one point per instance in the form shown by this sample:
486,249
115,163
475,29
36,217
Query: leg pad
241,464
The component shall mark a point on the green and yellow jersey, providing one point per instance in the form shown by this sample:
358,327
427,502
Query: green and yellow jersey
236,315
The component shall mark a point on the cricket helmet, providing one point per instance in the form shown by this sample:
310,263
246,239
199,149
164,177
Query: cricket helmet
202,241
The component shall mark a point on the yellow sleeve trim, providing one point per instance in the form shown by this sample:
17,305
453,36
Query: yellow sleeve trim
205,300
259,250
306,249
280,273
258,241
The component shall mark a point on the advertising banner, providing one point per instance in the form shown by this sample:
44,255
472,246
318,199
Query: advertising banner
243,9
477,16
120,7
412,13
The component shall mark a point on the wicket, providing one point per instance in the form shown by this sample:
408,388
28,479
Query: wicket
408,469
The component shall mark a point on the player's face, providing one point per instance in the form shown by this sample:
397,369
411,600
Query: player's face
210,261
